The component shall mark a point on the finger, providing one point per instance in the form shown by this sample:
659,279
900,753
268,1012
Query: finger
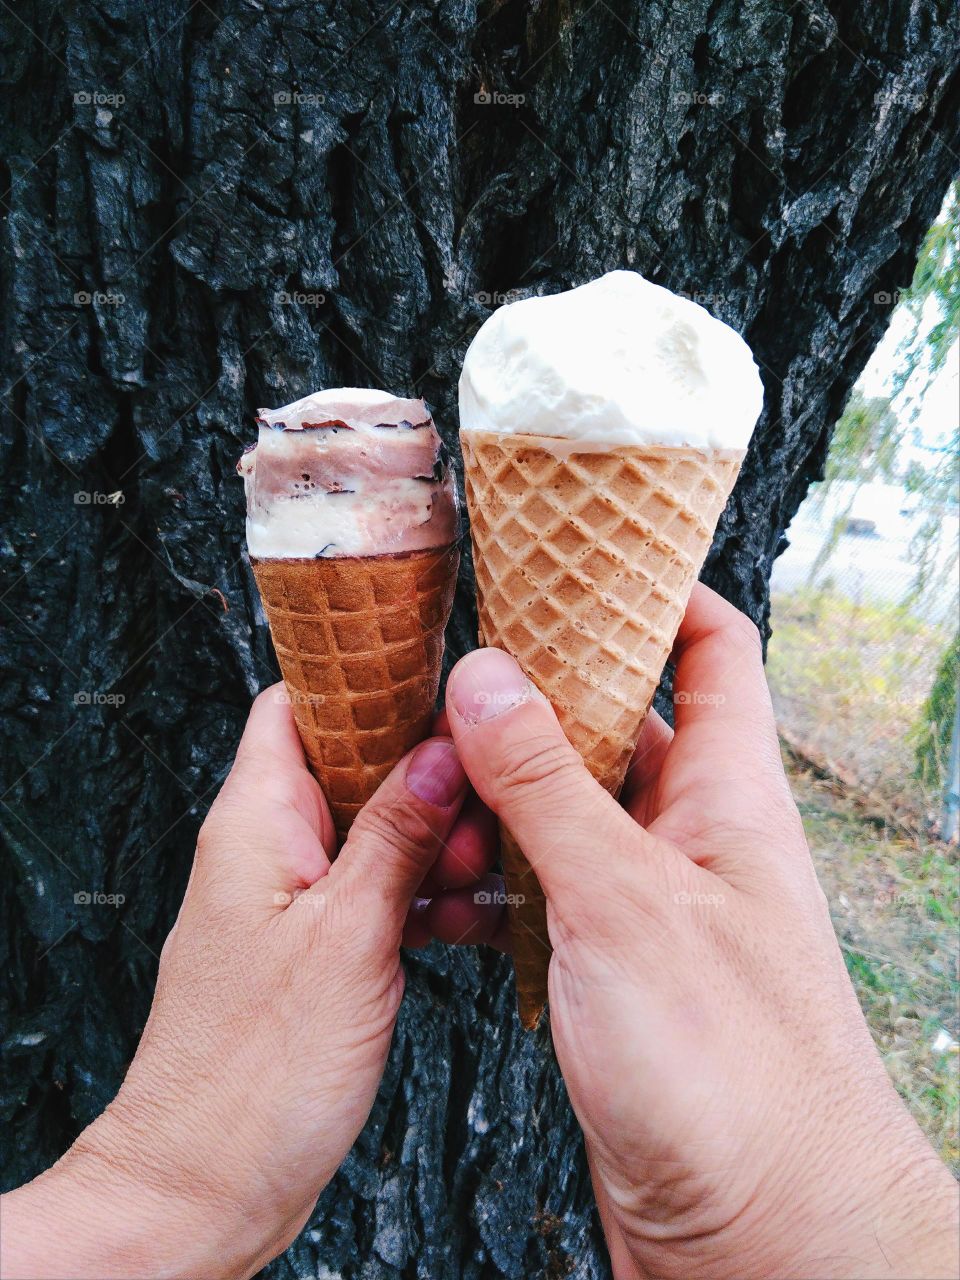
643,772
269,830
396,836
270,763
525,770
469,917
469,851
724,762
415,932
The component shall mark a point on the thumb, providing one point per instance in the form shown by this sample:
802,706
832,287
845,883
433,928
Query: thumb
396,836
523,767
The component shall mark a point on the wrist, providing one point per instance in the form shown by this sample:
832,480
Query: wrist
114,1207
891,1214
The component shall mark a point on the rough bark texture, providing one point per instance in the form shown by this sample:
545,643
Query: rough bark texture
212,206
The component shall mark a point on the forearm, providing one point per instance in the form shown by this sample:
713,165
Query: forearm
883,1207
90,1218
901,1226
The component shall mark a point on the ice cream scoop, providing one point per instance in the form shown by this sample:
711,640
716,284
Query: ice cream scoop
347,472
617,361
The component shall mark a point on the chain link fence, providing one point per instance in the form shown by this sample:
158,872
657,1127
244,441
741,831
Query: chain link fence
864,618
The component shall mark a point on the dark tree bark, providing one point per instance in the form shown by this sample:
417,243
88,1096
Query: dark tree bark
176,173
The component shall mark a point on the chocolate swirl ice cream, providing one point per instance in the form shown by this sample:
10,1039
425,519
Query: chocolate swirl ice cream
347,472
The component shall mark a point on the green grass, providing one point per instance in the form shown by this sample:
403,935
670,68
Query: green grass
852,681
895,905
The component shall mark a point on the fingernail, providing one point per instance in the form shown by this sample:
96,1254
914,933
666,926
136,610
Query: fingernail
485,684
435,773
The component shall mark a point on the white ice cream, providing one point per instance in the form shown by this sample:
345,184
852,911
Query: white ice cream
617,361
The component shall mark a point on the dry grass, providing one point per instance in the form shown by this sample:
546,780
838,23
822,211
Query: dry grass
895,905
851,681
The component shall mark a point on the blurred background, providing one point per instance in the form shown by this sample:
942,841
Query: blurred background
863,664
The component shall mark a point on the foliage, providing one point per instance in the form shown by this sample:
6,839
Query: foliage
937,277
868,436
932,735
864,444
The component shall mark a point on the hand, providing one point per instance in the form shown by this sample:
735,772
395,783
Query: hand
276,999
738,1119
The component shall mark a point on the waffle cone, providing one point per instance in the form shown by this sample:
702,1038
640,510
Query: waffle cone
584,564
359,641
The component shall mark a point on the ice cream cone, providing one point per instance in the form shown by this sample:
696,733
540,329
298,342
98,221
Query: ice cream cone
360,641
585,558
352,532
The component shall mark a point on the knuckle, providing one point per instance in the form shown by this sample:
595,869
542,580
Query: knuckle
397,825
534,764
744,634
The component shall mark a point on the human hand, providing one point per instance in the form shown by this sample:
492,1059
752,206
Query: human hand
738,1119
275,1003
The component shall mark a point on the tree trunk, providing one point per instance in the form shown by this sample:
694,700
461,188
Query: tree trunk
216,206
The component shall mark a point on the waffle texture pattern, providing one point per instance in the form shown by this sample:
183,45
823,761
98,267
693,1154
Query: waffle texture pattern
360,642
584,564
